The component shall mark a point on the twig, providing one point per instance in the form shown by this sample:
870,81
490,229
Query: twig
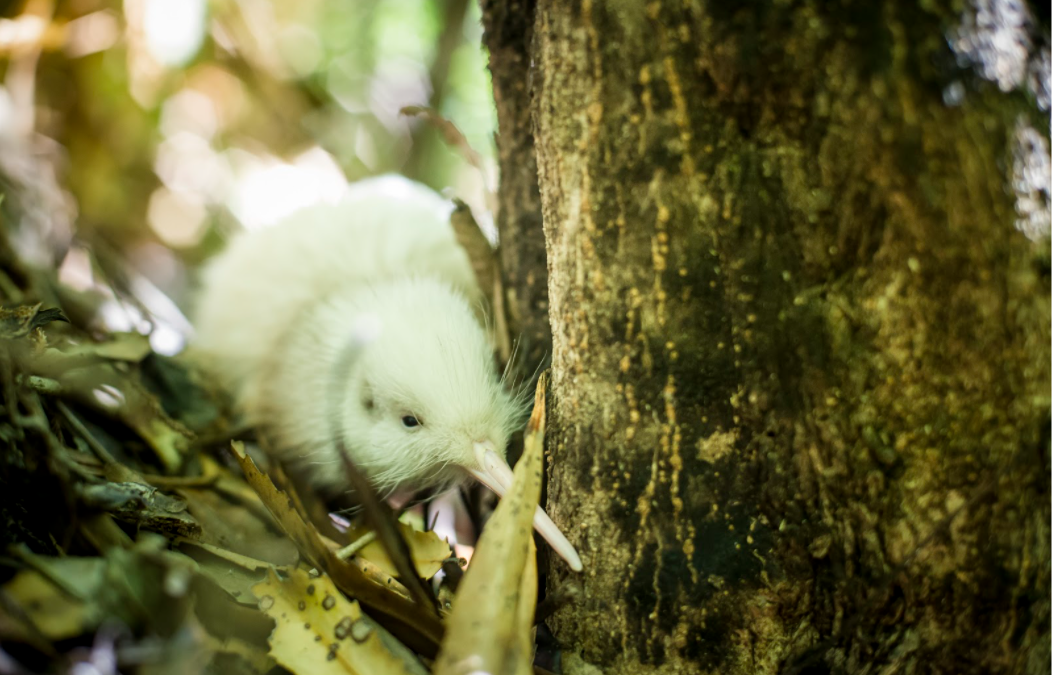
172,482
378,513
451,36
44,385
100,451
357,545
450,133
457,141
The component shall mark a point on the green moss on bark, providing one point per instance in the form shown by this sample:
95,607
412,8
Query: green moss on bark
800,352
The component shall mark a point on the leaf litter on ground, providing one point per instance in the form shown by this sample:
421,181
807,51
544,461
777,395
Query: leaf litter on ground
137,517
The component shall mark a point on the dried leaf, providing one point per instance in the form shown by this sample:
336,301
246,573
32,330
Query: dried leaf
318,631
225,618
450,134
480,252
232,526
235,574
18,322
487,268
426,548
143,505
423,630
143,413
55,613
490,629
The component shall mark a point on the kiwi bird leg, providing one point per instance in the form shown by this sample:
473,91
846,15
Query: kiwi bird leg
494,473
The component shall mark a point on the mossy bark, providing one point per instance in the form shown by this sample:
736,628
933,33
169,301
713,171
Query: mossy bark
801,355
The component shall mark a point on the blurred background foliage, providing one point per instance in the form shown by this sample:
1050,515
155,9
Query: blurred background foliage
173,123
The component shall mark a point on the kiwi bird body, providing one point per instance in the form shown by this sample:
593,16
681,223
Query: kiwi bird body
420,405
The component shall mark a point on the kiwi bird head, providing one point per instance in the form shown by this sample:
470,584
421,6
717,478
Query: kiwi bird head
425,406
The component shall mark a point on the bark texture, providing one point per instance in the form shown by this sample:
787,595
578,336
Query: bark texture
800,417
509,31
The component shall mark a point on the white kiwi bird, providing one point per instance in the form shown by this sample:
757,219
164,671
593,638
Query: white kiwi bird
422,405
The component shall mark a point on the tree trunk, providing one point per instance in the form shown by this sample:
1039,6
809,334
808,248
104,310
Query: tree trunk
509,29
800,416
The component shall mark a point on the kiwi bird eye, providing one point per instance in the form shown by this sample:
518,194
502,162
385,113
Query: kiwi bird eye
409,421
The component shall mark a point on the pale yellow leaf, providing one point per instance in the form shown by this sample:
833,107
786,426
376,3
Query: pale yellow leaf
427,549
386,598
57,614
490,629
320,632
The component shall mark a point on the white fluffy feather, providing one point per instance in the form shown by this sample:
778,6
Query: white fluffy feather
280,306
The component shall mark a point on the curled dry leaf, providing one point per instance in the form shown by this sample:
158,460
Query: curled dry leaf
451,135
18,322
320,632
490,629
421,630
480,252
487,268
143,505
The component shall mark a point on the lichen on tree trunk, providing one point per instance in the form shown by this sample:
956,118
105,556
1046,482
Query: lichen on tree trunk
800,416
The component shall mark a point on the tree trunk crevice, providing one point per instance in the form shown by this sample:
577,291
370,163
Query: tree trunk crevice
800,353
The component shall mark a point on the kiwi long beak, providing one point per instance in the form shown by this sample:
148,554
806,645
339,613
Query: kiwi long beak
495,474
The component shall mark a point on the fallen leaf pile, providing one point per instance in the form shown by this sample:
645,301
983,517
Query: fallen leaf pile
138,538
